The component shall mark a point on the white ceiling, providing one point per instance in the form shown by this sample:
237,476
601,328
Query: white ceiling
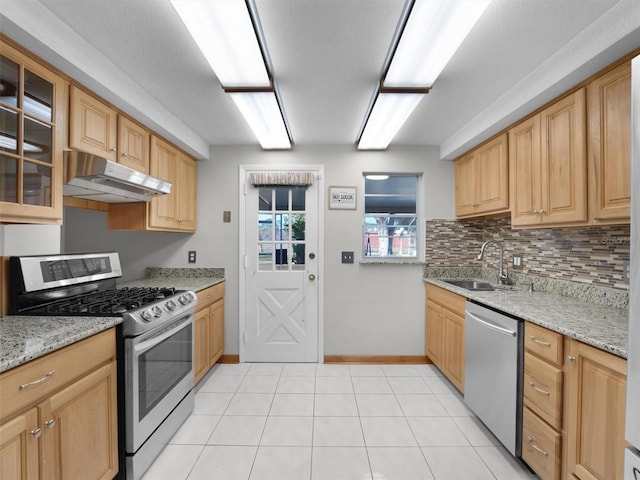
327,57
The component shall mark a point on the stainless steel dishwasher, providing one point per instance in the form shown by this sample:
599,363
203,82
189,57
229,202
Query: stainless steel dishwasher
493,372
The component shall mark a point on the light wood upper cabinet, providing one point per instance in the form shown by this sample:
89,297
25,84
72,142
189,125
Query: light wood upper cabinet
595,412
482,179
97,128
444,332
548,167
174,212
177,210
609,101
32,101
133,144
93,125
65,425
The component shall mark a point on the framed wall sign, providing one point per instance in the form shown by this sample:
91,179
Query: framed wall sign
342,198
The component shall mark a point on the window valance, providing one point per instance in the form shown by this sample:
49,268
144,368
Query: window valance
281,178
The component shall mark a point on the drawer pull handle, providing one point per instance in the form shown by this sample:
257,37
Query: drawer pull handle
540,342
535,447
538,389
50,423
38,382
37,433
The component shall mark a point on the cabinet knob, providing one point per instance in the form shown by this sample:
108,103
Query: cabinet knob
571,358
50,423
37,433
113,149
125,154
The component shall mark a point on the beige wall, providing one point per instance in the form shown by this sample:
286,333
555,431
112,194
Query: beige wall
369,309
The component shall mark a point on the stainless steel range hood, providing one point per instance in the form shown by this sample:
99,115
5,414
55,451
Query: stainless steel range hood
91,177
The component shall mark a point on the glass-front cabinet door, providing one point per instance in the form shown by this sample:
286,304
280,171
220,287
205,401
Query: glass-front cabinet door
31,140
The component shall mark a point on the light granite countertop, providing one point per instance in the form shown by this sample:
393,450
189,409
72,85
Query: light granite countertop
24,338
601,326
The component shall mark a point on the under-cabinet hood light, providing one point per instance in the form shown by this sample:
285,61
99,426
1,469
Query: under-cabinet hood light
229,35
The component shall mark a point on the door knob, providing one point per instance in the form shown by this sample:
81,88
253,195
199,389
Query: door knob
312,277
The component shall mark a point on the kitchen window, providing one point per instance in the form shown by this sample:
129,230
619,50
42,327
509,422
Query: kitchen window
391,224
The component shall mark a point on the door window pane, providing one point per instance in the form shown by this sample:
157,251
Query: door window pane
298,226
265,256
264,198
38,96
281,228
265,227
298,198
8,179
37,140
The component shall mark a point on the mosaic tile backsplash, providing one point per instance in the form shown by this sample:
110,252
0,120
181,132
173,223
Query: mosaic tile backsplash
587,255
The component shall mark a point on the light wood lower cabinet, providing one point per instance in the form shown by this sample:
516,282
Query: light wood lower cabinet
542,411
444,332
64,427
19,447
595,412
208,329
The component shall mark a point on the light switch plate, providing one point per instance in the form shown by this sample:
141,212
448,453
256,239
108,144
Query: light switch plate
347,257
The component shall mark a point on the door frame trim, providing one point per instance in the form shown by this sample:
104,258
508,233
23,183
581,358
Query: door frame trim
242,184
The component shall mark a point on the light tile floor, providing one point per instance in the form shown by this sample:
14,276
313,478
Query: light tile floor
332,422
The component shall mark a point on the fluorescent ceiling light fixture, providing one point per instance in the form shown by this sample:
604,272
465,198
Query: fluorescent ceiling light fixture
225,33
432,34
262,113
388,114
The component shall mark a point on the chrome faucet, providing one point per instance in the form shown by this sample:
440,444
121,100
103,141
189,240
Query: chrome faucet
502,276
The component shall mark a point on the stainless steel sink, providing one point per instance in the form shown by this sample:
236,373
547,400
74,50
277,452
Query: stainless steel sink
471,284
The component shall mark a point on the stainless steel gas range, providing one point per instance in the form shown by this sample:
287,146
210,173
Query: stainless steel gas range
154,341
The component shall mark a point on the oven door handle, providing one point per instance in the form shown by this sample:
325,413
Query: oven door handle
162,336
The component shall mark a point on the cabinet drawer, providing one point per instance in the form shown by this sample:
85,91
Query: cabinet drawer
544,343
541,446
543,389
210,295
447,299
68,363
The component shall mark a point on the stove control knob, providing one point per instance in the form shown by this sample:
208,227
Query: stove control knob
171,305
184,299
156,310
147,315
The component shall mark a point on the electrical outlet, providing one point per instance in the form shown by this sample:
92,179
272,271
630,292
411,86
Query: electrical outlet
347,257
226,216
626,275
192,256
517,261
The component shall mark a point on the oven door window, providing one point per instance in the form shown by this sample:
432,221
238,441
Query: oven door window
162,367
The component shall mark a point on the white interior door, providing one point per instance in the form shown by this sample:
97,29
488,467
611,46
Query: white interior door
281,274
